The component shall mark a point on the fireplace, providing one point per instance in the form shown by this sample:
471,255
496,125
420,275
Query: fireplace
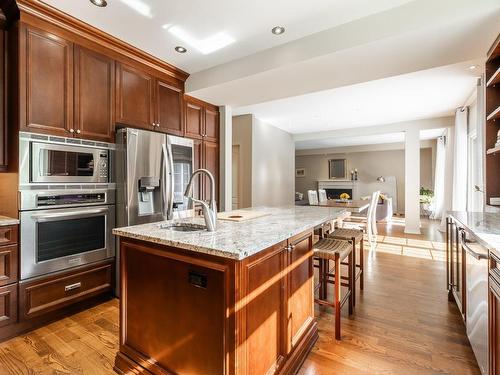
335,193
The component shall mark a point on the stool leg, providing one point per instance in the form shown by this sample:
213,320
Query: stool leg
320,278
326,266
337,297
354,270
361,266
351,281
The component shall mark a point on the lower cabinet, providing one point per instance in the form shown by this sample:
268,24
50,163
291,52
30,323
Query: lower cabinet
8,305
55,292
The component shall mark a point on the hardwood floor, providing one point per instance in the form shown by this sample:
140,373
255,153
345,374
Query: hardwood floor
403,324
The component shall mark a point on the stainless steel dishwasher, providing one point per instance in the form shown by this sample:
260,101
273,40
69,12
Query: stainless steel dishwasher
476,284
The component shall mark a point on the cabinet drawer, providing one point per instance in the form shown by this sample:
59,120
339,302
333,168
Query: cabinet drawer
8,305
41,296
8,235
8,264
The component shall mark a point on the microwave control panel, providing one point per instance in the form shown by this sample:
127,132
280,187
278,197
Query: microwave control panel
103,166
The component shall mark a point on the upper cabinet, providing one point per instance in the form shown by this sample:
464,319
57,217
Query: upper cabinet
94,95
3,102
148,102
169,108
202,120
46,72
134,97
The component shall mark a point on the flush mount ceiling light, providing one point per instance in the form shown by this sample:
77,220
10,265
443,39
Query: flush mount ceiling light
99,3
205,46
180,49
278,30
472,67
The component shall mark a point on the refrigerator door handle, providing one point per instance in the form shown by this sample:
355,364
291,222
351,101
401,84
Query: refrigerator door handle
170,212
164,198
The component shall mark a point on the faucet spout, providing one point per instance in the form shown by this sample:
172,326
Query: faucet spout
209,210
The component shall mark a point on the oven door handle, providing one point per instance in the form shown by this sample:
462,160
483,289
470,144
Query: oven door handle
70,215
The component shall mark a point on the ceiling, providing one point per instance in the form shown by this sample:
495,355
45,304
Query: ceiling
426,94
140,23
372,139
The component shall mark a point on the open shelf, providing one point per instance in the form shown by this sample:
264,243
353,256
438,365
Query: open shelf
494,115
495,78
493,150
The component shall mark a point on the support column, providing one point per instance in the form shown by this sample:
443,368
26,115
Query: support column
225,158
412,181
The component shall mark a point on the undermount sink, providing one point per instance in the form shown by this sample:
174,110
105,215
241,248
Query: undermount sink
184,227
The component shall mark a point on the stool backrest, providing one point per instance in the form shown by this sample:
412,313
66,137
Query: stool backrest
312,196
371,223
322,195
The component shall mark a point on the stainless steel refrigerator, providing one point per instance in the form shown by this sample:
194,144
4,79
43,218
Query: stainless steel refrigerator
152,172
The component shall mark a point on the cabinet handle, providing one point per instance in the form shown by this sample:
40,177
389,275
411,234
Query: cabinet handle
71,130
67,288
78,131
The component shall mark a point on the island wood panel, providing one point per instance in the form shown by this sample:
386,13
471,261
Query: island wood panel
169,108
244,309
265,311
46,74
94,95
300,291
134,97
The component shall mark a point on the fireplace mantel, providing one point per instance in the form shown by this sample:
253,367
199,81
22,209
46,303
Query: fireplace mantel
340,184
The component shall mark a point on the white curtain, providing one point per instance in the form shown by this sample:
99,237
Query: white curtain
459,195
438,202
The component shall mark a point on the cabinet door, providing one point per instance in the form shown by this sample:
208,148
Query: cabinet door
211,125
211,162
169,108
8,264
8,305
3,101
265,311
134,97
198,163
194,120
46,82
300,288
94,95
494,326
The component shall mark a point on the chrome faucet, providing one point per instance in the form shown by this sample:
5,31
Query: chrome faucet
209,210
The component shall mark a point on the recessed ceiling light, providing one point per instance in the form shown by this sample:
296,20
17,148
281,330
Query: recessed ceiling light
180,49
472,67
99,3
278,30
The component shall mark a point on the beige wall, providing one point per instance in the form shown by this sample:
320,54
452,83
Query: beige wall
267,163
370,165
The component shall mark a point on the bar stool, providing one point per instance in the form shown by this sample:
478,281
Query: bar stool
354,236
327,249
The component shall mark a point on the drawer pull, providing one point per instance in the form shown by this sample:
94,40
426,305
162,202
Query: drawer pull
67,288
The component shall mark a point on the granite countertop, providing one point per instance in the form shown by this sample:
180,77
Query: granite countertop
237,240
4,220
485,226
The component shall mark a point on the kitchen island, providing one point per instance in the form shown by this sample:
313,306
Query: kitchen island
235,301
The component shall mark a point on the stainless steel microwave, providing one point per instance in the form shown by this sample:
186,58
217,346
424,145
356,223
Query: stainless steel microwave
58,160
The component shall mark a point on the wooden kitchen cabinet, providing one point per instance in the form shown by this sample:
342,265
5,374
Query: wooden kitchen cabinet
300,313
211,163
202,120
134,97
169,108
94,95
3,102
46,82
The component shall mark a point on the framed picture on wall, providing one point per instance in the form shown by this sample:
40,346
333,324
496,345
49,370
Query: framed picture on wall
300,172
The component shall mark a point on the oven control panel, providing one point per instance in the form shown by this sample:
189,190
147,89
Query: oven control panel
70,199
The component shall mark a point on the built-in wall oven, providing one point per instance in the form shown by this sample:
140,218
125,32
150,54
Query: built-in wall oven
67,203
